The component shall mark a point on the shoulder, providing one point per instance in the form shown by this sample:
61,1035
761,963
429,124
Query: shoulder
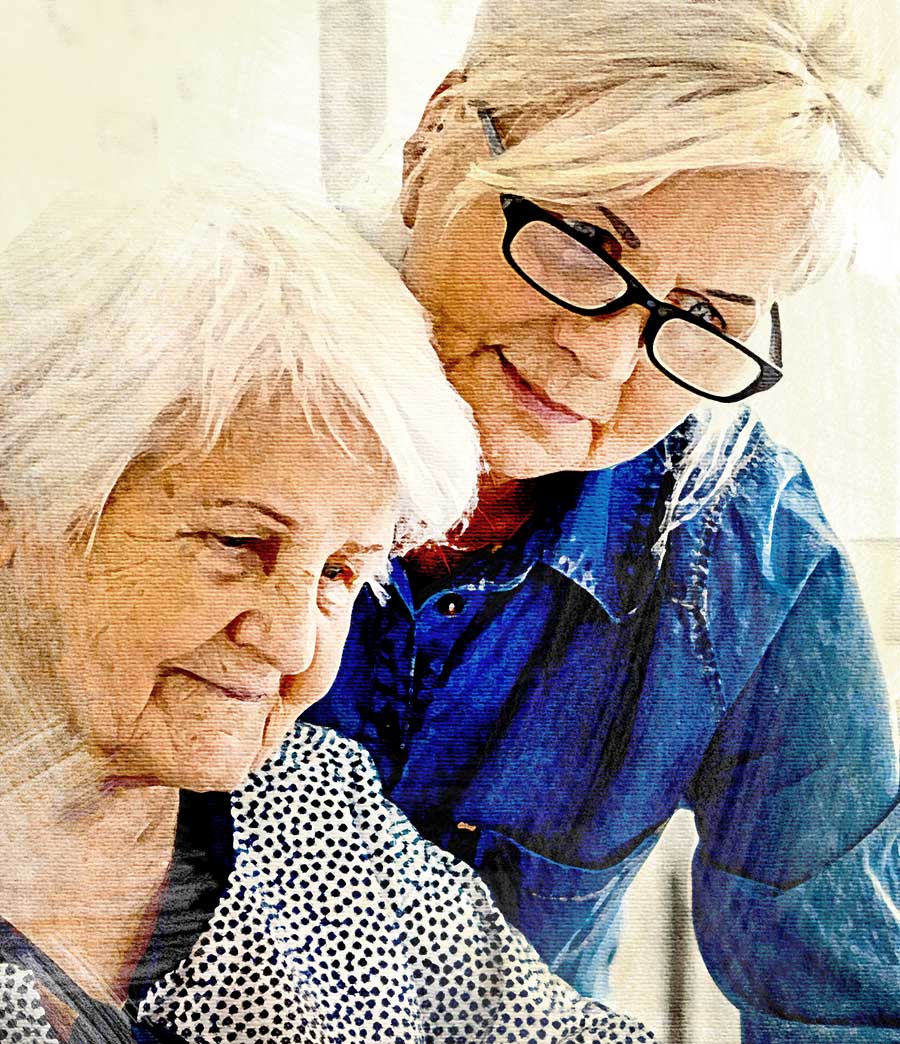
749,551
769,518
314,756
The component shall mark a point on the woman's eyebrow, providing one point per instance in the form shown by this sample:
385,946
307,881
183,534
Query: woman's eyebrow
628,235
742,299
631,239
255,505
359,549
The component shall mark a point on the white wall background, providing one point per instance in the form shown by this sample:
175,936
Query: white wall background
90,86
325,91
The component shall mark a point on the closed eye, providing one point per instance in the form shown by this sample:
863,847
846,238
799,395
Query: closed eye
231,542
239,548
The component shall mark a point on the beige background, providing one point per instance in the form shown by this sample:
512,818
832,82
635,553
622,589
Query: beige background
322,93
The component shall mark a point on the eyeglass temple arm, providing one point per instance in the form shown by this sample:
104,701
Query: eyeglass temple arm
490,131
775,340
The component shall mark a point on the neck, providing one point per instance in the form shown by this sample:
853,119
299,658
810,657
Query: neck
504,506
80,872
81,860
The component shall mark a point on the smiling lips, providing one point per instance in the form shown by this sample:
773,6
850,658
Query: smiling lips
533,400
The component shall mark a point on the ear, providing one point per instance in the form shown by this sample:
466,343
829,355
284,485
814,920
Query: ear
417,146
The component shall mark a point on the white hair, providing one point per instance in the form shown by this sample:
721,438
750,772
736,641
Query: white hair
606,99
128,322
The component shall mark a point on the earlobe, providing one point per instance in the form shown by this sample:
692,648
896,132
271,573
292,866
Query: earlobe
416,148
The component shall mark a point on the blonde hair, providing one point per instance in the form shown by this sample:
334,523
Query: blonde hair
132,320
617,97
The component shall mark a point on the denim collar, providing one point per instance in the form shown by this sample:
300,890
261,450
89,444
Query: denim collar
600,529
604,539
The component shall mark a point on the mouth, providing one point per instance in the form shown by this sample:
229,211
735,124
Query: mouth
240,695
533,400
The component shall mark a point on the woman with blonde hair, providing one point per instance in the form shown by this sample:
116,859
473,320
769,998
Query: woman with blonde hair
217,416
647,611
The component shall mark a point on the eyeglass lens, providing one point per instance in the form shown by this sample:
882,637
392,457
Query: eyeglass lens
573,274
707,363
564,267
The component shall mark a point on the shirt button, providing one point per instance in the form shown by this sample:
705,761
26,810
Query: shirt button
450,605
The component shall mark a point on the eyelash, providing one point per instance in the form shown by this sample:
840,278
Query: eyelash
235,544
343,567
717,316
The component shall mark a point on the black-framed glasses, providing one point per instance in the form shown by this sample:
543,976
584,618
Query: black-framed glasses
569,264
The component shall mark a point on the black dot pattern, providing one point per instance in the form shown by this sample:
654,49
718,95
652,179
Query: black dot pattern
22,1019
342,924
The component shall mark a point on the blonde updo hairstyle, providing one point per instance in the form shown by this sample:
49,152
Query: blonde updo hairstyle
605,100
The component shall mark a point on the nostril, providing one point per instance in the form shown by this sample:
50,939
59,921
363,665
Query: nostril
235,629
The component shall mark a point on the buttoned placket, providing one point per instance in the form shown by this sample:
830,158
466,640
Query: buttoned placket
434,629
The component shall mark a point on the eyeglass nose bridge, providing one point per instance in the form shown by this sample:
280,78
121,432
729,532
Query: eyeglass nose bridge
634,294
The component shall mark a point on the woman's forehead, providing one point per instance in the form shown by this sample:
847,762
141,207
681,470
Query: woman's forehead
272,455
719,196
716,224
750,220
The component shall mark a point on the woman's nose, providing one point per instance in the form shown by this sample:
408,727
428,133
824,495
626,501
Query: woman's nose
282,627
606,346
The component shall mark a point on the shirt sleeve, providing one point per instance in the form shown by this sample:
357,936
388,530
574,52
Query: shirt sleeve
797,877
476,977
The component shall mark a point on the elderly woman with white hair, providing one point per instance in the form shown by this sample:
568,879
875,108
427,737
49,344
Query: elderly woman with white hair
605,204
219,413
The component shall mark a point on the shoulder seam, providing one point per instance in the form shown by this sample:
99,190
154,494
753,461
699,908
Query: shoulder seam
693,600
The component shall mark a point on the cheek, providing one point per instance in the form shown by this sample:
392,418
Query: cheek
507,304
481,290
132,627
302,690
465,283
330,649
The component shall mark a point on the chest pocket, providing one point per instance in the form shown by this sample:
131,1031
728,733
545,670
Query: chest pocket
570,914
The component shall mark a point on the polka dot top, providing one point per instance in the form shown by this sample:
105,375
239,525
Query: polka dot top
341,924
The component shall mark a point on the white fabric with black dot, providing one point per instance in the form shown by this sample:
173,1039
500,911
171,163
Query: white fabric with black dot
342,924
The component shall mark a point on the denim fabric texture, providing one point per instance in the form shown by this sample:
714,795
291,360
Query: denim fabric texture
591,679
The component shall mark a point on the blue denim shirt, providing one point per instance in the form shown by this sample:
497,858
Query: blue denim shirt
546,713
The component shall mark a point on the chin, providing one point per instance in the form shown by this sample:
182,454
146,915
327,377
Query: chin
206,766
516,455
